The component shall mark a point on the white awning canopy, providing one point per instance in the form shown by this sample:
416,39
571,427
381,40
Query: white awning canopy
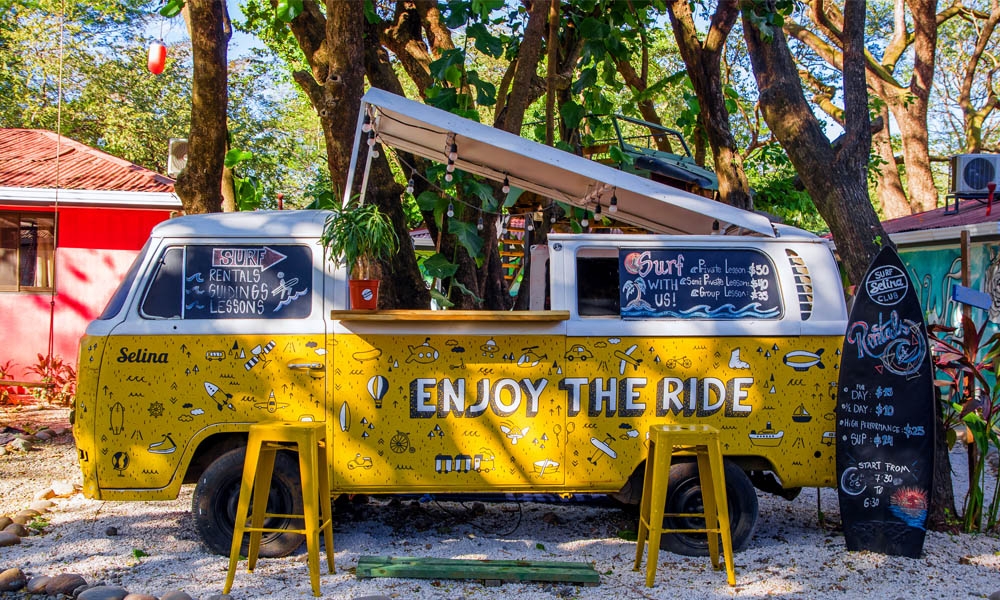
428,132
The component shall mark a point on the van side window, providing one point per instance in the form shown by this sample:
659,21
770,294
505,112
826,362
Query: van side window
229,281
165,293
597,284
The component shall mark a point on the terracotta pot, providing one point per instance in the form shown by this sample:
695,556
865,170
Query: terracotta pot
364,294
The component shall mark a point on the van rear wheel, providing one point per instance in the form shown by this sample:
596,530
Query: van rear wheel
684,496
217,494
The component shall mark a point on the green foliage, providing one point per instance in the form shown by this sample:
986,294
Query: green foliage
358,233
967,379
138,553
60,377
776,191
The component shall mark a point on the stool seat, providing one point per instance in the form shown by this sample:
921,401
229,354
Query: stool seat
703,442
263,444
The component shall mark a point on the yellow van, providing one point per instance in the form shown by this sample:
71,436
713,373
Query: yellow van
225,320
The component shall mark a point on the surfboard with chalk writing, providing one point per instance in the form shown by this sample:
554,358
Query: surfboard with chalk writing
885,418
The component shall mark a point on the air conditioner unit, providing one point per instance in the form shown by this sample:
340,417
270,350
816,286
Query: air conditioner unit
971,172
177,156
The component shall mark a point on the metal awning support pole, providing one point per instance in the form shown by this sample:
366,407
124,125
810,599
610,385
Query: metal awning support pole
354,155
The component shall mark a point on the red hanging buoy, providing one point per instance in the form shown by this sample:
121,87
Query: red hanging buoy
157,58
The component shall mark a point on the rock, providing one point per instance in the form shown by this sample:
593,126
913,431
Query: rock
111,531
37,584
4,522
45,494
376,597
57,431
12,580
20,445
3,450
64,583
221,597
175,595
21,519
27,513
995,595
140,597
9,539
42,506
63,489
43,435
103,592
17,529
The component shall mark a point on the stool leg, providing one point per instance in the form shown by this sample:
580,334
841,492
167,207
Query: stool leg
326,512
658,500
707,475
258,512
715,453
647,491
242,506
309,474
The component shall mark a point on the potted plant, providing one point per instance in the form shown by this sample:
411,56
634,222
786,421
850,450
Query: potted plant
356,235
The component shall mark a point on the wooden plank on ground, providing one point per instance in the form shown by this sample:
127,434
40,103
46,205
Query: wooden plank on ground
453,568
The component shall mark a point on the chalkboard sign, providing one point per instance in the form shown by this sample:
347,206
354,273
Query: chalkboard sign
885,418
698,283
247,282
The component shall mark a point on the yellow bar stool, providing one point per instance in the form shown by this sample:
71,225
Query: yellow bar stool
265,440
703,441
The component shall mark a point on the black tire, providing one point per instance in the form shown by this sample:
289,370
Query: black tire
684,496
217,494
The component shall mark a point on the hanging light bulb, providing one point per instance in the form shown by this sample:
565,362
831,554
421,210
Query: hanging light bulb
451,209
451,166
157,57
448,177
366,125
715,227
530,223
453,152
585,222
479,223
613,207
371,139
597,211
506,185
409,183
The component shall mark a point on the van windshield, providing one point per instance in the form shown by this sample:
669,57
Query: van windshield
117,300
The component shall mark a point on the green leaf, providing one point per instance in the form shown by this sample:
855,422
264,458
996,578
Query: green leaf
571,113
139,553
449,58
483,8
457,14
592,29
587,79
172,9
453,75
619,156
539,546
236,156
441,299
428,200
370,15
465,290
485,42
467,235
439,267
288,9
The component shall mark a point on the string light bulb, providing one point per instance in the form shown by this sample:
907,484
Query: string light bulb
506,185
448,177
451,166
597,211
367,124
451,209
371,138
453,151
585,222
479,223
613,207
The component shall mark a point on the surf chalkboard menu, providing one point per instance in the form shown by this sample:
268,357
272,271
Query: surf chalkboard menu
247,282
697,283
885,418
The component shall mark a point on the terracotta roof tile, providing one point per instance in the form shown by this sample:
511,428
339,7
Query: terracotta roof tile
28,159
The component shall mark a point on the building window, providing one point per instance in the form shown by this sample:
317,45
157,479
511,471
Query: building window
27,252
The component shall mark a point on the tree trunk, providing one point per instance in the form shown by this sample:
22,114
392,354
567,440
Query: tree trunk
911,116
835,181
199,186
703,61
889,187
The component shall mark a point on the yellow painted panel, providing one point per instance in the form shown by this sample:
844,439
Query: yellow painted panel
157,392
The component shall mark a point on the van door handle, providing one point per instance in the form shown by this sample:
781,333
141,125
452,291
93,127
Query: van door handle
310,366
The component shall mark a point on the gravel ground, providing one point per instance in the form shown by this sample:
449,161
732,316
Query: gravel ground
790,556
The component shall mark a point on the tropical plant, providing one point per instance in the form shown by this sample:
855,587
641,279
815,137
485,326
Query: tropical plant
5,373
59,378
358,234
967,376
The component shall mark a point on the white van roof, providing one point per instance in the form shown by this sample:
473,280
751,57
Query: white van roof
256,224
495,154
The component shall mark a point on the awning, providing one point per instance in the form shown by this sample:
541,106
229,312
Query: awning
552,173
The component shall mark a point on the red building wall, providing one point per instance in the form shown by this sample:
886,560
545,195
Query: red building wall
94,248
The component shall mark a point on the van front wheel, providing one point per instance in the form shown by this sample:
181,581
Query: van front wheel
217,494
684,496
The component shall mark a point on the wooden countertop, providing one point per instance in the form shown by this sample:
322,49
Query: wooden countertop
450,315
